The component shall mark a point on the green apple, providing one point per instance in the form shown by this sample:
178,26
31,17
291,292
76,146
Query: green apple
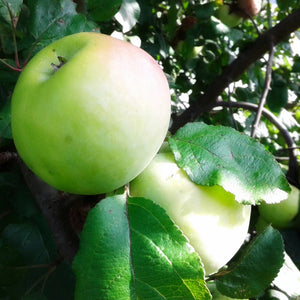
231,19
215,224
89,112
281,214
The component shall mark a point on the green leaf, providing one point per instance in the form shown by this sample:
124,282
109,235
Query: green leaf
255,268
5,128
285,4
159,248
48,23
61,285
220,155
26,238
102,264
278,95
205,11
296,66
10,9
10,258
103,10
128,14
131,249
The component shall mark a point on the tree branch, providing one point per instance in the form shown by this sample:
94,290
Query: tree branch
232,72
56,212
265,92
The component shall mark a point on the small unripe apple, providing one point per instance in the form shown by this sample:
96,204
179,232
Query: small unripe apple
89,112
227,16
250,7
215,224
281,214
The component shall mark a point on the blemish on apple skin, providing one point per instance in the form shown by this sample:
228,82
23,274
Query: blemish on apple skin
51,172
62,60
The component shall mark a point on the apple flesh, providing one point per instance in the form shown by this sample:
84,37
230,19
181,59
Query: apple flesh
281,214
215,224
92,123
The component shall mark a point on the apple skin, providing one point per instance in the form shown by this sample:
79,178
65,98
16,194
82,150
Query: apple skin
281,214
215,224
230,19
250,7
95,123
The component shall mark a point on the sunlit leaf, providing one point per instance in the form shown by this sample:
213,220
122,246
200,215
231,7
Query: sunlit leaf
220,155
130,248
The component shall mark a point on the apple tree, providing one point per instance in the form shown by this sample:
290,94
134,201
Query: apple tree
162,166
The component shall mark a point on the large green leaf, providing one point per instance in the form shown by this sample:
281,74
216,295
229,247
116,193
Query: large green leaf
103,10
48,23
256,267
10,9
130,249
220,155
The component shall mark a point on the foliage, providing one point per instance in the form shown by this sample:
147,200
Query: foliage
193,47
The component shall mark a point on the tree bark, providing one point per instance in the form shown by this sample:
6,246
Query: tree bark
232,72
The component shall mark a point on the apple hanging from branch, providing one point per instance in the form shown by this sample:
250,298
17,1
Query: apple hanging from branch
249,7
89,112
215,224
232,14
281,214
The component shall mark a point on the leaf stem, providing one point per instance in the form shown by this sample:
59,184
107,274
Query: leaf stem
10,66
13,29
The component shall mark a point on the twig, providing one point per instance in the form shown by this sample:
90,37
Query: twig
230,110
56,213
265,92
10,66
13,29
42,278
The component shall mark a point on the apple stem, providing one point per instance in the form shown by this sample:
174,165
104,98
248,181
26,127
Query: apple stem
62,61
